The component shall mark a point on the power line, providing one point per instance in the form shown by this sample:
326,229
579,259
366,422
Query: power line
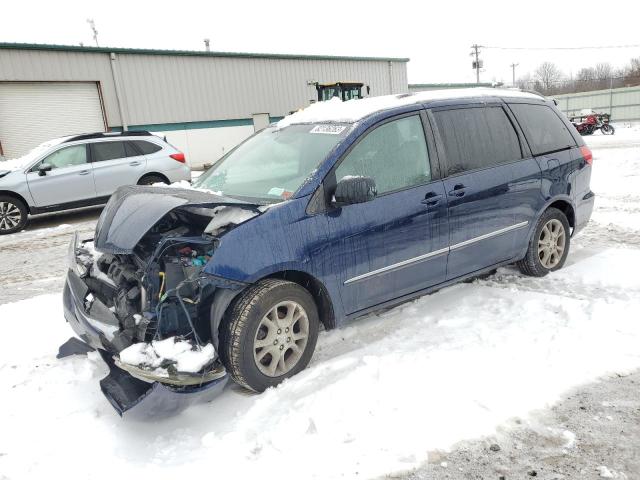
563,48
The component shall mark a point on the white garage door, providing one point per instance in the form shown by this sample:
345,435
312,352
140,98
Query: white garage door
34,112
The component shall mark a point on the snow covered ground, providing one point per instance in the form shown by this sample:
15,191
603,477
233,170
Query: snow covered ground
380,393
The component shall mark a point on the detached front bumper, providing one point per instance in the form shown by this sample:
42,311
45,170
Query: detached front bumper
97,326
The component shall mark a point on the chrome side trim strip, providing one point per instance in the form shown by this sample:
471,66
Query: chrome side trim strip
435,253
395,266
488,235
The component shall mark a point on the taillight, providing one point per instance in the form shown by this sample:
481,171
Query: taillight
178,157
586,153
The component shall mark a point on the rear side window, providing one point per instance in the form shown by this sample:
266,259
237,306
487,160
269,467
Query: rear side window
543,128
103,151
146,148
476,138
394,155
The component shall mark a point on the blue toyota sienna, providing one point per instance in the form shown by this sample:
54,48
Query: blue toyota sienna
336,211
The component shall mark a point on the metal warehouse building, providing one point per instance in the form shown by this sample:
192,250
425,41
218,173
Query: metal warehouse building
204,102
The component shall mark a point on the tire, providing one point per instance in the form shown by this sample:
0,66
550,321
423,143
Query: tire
13,215
151,179
245,328
607,129
532,264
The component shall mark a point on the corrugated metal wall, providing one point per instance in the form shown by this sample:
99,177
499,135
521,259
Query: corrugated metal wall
623,104
159,89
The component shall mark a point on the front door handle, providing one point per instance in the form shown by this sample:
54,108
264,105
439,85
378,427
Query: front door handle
135,163
458,190
84,172
431,199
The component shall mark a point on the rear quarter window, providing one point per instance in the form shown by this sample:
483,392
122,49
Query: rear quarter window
146,148
542,127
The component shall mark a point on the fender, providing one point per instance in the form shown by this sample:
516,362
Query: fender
534,221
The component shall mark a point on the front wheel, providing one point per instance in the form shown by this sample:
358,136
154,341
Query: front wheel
13,215
549,246
269,333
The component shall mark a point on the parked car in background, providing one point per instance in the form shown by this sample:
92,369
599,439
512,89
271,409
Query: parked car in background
83,170
338,210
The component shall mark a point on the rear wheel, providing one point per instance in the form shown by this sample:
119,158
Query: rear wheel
13,215
549,246
151,179
269,334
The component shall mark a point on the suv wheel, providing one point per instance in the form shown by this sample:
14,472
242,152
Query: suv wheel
549,246
269,334
13,215
151,179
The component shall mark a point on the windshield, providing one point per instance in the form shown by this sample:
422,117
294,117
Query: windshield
270,166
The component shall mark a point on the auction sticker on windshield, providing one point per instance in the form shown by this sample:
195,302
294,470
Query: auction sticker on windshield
328,129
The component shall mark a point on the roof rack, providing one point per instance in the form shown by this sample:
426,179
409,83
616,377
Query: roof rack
88,136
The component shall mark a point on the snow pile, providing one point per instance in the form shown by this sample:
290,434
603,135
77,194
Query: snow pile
225,216
335,110
380,392
186,356
183,184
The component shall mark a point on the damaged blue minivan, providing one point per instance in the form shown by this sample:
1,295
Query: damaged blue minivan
336,211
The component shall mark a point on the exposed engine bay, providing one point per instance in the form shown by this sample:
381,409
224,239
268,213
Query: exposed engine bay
152,307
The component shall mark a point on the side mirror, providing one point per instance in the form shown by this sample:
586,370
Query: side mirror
44,168
354,189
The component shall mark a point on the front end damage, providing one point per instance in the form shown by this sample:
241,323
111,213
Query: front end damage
138,294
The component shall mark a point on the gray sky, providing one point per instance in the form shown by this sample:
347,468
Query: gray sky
435,35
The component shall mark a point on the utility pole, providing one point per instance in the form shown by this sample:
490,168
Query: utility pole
476,63
92,24
513,72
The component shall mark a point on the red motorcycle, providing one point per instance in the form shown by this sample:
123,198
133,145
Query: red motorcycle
588,124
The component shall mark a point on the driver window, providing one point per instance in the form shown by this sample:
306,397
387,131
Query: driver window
394,155
65,157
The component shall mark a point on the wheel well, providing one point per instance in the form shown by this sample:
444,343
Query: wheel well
16,196
567,209
154,174
317,291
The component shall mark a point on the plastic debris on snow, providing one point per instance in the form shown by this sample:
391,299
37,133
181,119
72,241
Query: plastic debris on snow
157,355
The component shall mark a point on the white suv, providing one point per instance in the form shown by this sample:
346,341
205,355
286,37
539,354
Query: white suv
83,170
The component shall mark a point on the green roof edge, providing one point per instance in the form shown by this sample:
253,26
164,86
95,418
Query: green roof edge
188,53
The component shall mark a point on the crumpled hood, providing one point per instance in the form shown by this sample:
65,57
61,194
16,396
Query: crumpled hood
133,210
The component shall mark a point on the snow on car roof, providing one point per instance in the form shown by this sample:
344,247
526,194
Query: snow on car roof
335,110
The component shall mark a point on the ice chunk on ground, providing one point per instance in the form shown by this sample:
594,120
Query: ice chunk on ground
605,472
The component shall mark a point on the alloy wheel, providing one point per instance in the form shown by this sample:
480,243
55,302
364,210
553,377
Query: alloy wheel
281,338
10,215
551,243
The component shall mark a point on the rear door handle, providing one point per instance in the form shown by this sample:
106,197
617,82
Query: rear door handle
84,172
458,190
431,199
135,163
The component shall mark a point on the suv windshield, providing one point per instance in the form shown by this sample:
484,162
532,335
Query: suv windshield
273,164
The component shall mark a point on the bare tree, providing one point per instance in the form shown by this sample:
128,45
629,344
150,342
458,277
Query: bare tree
549,75
603,71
